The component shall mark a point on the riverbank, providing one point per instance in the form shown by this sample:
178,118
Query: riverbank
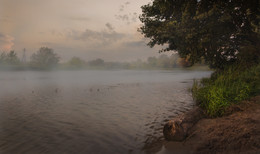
236,132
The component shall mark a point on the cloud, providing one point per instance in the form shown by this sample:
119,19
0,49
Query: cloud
56,33
48,44
124,17
134,44
110,27
6,42
123,6
79,18
128,18
134,17
4,19
97,37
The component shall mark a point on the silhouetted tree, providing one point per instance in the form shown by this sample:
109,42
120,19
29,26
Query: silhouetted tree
44,58
9,58
97,62
2,58
163,61
76,62
173,60
152,61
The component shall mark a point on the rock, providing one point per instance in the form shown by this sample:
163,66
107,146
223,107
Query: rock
178,128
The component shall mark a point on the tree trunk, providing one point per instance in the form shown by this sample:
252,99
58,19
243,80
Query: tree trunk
178,128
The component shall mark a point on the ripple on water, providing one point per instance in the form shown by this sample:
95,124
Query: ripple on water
60,116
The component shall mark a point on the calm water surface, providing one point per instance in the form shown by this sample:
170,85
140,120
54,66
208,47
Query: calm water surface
89,111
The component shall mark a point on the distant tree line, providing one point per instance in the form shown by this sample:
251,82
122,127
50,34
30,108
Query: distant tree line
46,58
161,62
9,58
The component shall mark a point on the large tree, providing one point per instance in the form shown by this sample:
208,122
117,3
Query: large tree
44,58
221,32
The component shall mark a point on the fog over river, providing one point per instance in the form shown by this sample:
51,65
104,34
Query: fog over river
89,111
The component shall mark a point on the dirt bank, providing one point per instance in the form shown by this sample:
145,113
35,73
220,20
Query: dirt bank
237,132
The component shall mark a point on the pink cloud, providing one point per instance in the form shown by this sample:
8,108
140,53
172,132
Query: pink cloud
6,42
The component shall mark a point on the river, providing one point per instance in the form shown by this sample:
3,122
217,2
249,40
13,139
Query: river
116,111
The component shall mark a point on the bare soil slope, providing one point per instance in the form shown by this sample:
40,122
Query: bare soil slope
238,132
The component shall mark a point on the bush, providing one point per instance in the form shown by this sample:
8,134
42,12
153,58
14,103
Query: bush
44,58
224,88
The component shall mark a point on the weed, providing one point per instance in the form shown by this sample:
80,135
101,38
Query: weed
224,88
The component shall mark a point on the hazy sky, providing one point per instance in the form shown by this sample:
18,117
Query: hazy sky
84,28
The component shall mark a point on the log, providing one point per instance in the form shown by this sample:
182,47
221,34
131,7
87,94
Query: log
178,128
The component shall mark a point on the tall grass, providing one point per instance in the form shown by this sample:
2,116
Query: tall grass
227,87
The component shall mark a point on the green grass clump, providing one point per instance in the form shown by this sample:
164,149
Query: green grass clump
227,87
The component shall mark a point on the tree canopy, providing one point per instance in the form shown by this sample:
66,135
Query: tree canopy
96,62
221,32
44,58
9,58
76,62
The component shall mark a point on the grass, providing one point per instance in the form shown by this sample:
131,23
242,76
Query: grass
222,89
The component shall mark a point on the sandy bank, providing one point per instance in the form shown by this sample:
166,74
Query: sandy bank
237,132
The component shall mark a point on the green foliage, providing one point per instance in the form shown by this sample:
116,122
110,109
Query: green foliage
152,61
76,62
220,32
96,62
44,58
161,62
167,62
9,58
227,87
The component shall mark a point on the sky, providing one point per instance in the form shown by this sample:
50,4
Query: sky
88,29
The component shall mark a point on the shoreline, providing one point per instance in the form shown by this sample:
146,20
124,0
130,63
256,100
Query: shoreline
236,132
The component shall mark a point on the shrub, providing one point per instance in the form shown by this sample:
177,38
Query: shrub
224,88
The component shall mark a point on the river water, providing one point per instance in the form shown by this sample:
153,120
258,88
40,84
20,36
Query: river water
89,111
